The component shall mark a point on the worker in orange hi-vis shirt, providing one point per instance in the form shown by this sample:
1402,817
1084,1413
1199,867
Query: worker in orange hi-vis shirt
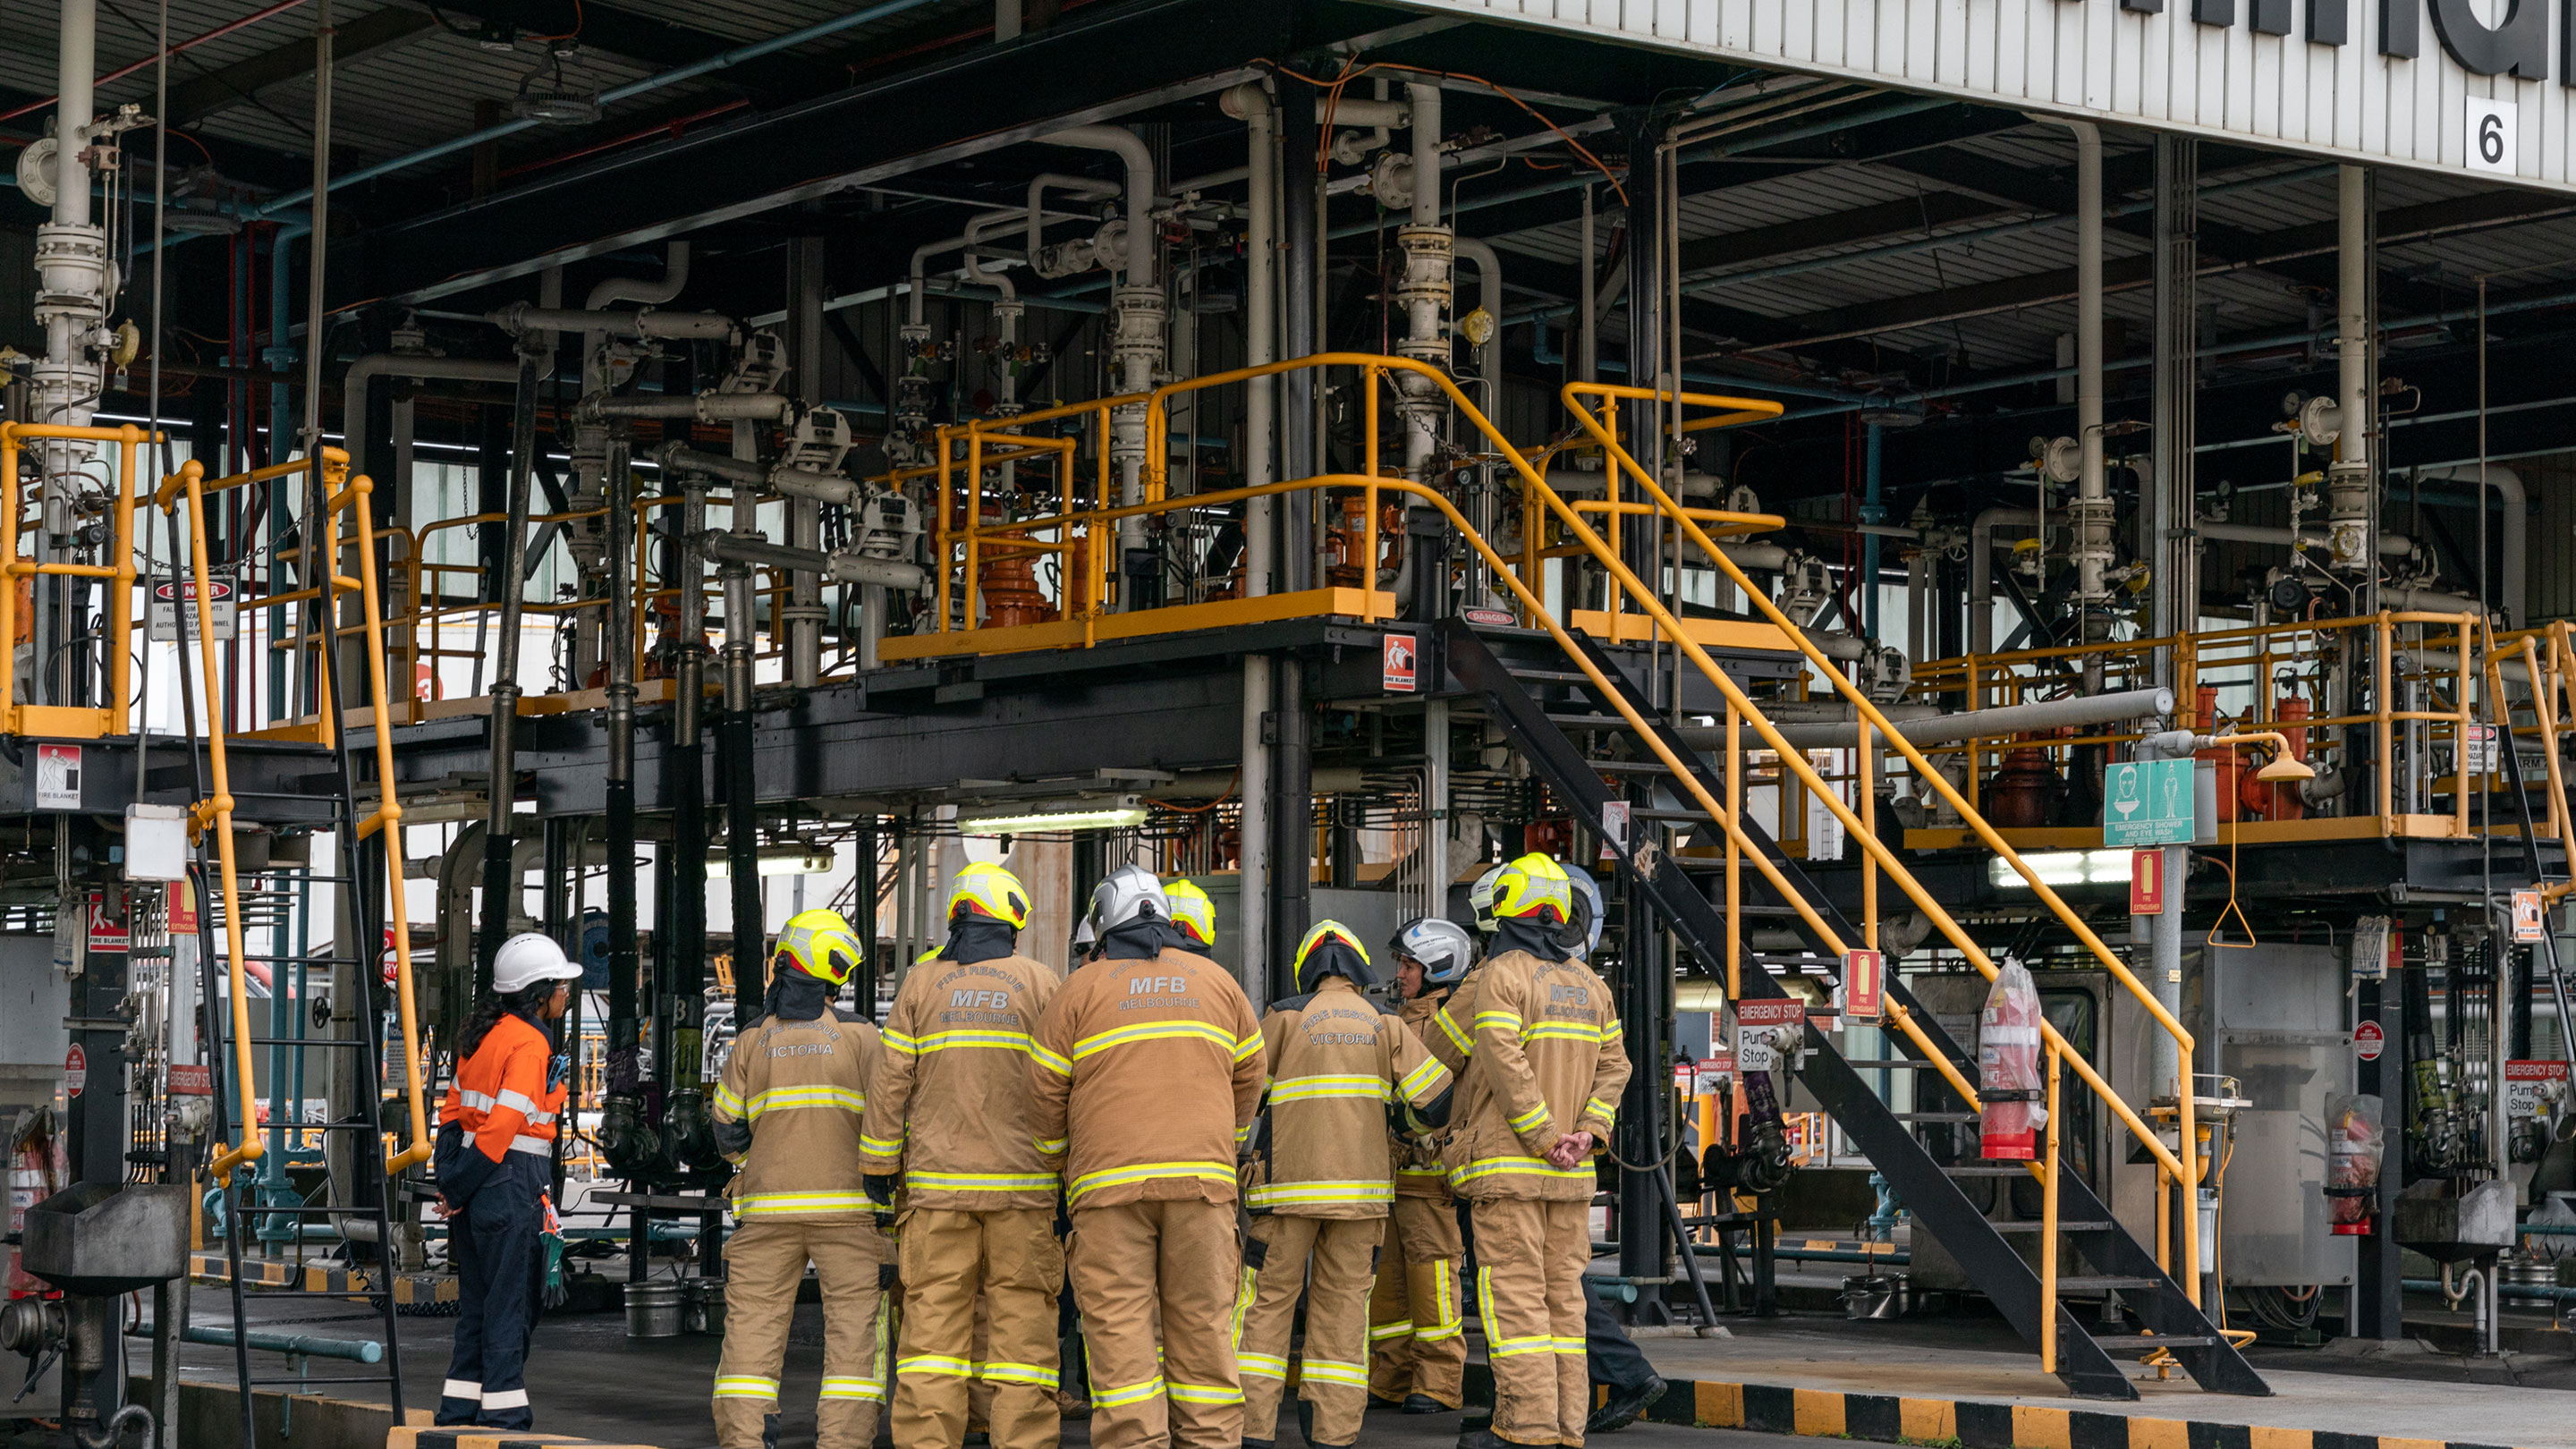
495,1165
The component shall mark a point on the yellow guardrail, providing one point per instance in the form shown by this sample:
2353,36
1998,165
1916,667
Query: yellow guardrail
1879,857
341,493
118,605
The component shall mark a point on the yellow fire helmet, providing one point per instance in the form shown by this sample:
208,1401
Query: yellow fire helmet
822,945
991,891
1192,911
1534,888
1333,949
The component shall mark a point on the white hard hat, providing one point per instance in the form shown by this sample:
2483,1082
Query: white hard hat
1126,893
528,958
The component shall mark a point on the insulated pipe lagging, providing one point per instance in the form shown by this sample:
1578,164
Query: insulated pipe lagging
1139,157
1426,152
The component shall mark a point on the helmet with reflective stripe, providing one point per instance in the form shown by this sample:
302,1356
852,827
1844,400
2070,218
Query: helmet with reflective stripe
1480,898
1125,894
1333,949
1534,888
991,891
822,945
1587,913
1192,911
1441,947
528,958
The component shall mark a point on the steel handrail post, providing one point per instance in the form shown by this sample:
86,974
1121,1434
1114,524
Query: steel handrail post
388,819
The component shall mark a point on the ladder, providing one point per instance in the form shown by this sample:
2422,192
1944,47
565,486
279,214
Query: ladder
1550,705
370,880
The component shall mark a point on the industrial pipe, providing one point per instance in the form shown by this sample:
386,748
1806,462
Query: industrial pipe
1981,571
500,882
2011,719
822,487
2391,545
305,1345
1139,157
705,407
846,568
2348,478
2507,485
1489,298
653,293
2091,517
419,366
1250,102
976,226
1090,186
645,322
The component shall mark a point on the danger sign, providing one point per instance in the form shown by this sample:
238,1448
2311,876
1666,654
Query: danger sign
162,625
1400,657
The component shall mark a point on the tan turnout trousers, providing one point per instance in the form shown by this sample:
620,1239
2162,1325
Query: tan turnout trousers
1417,1342
1173,1262
1530,1255
1011,1259
764,1262
1329,1258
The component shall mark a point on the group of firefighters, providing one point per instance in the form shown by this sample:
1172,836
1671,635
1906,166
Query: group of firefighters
1191,1165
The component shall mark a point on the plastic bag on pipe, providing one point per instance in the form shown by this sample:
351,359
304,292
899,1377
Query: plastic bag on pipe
2356,1140
2011,1096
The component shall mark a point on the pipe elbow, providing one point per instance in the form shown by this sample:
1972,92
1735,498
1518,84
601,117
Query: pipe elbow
1246,102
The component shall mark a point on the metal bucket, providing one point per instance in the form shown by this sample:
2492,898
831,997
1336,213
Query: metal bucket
1874,1295
705,1308
653,1310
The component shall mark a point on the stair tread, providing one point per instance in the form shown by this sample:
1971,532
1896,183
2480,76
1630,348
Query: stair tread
1934,1116
2081,1282
1892,1064
1986,1169
1552,676
1628,767
2153,1340
1601,721
2063,1226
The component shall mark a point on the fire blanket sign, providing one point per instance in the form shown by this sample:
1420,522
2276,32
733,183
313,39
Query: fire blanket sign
162,627
2527,927
58,777
1756,1024
1400,658
2534,1089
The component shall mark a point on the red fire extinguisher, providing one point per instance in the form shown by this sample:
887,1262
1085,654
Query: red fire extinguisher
2011,1110
36,1171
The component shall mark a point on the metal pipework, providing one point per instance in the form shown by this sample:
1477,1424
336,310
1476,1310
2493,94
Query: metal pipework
705,407
840,568
2091,516
643,322
1138,311
1045,181
355,385
500,877
2348,480
623,1020
2391,545
682,458
2082,710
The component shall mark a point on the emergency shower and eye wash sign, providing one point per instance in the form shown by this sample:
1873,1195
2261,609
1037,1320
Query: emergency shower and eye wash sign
2148,802
2479,88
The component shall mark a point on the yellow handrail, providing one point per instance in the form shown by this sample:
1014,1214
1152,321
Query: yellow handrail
116,716
1870,715
216,811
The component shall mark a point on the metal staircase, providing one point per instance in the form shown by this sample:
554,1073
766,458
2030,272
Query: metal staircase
1575,731
362,1157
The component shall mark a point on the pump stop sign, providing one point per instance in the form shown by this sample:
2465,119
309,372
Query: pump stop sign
76,1069
2368,1039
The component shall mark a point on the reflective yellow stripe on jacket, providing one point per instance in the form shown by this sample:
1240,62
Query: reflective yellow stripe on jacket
1468,1172
1146,1172
1332,1085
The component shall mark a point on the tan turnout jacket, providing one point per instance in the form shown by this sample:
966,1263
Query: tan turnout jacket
1418,1172
948,1106
1337,1060
801,1087
1547,1059
1144,1080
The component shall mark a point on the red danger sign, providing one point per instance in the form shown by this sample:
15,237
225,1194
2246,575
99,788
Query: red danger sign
2368,1041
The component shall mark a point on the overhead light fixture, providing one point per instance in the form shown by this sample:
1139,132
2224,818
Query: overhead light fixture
777,860
1112,817
2063,868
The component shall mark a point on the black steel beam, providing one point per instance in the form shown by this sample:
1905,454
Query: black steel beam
240,82
1087,68
636,36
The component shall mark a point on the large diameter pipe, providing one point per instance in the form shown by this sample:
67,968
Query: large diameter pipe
2507,485
652,293
355,386
840,567
306,1345
2092,487
75,67
2391,545
1426,151
1139,157
641,322
705,407
1251,102
1045,181
2081,710
1489,296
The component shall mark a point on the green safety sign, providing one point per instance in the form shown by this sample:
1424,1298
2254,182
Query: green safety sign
2148,802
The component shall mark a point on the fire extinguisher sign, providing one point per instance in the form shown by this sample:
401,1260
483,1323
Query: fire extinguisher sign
1864,985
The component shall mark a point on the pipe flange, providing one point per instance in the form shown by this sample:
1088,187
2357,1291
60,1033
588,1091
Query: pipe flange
1428,254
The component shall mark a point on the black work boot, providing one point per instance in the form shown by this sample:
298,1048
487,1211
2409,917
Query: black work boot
1624,1407
1423,1404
